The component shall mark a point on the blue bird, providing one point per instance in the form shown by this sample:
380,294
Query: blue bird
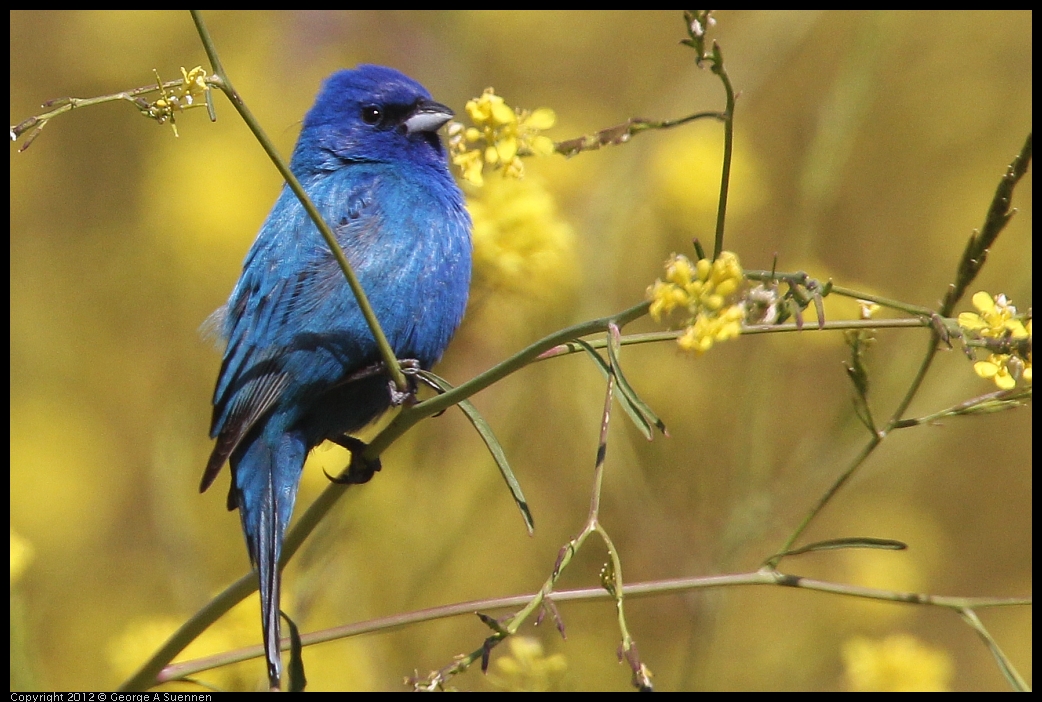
298,365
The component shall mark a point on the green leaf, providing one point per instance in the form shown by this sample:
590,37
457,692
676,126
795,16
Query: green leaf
851,542
632,411
627,391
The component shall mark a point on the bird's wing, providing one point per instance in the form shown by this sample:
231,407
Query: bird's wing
288,296
251,379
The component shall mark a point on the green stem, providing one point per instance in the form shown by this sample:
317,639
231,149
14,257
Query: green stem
410,416
725,171
799,277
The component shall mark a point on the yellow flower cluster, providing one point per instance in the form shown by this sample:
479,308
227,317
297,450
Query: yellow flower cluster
183,97
499,137
898,663
527,668
704,290
521,244
996,318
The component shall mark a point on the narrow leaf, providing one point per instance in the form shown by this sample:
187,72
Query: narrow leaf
494,447
627,391
632,411
851,542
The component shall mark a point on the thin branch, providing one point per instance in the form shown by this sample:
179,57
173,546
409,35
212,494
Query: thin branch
622,133
652,588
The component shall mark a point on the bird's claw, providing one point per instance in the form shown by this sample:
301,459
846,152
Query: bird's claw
361,469
410,367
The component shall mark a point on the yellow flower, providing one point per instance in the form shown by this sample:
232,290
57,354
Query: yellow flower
996,368
521,244
995,318
527,668
490,109
499,137
898,663
470,165
704,290
184,96
709,329
679,271
665,298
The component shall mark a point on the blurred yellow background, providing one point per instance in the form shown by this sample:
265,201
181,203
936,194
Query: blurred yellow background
868,146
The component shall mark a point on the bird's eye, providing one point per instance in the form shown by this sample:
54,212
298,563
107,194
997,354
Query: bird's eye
371,114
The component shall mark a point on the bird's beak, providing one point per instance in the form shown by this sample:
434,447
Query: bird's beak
427,116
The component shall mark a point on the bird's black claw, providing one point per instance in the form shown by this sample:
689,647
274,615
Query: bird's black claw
361,469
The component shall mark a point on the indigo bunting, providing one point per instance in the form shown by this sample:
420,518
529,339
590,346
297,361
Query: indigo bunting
299,364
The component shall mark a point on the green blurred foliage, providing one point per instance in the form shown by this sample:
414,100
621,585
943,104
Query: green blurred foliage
868,147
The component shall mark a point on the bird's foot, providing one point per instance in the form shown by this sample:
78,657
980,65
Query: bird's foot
361,469
399,397
410,367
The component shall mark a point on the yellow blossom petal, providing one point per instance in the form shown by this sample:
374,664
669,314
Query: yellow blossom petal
694,288
1004,380
971,320
515,170
995,369
542,146
1016,329
726,287
983,302
985,369
704,268
478,112
543,118
501,113
679,270
470,163
507,149
472,174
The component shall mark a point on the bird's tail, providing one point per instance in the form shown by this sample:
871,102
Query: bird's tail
266,477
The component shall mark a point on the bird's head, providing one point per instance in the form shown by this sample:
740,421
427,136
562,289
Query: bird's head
371,114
